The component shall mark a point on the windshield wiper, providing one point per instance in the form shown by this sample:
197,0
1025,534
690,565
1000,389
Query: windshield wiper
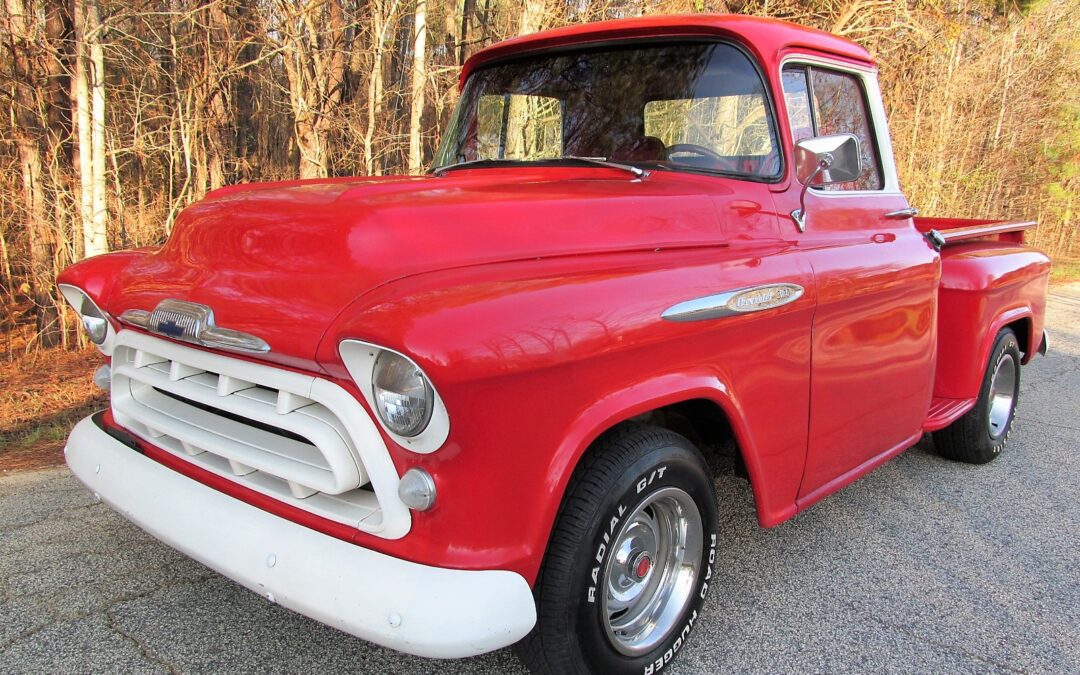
439,171
597,161
602,161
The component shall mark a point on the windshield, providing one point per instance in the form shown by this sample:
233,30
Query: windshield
696,107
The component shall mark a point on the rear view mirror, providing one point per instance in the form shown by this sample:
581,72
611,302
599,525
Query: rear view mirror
828,159
824,161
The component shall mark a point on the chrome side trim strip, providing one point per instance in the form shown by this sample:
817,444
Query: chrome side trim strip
735,302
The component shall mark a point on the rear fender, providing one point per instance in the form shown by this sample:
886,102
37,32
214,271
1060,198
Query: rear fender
1025,332
985,287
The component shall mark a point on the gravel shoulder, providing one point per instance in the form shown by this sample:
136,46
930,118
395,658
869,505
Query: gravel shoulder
923,566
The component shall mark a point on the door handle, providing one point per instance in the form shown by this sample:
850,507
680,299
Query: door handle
903,214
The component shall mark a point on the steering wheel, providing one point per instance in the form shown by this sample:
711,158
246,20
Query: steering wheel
692,148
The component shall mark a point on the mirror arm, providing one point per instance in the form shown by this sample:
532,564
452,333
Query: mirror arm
799,214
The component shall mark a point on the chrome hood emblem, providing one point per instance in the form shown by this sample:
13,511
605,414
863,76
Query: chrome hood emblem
194,323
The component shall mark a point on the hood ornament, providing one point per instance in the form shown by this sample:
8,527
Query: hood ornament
194,323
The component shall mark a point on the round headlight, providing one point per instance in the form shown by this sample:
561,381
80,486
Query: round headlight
403,396
93,319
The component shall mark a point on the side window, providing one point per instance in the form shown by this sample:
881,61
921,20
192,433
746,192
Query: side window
518,126
823,102
797,98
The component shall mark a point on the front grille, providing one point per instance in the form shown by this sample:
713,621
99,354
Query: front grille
298,438
277,431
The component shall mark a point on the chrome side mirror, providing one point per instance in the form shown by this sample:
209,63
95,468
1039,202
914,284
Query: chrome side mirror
823,161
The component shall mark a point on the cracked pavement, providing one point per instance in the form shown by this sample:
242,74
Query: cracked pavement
923,566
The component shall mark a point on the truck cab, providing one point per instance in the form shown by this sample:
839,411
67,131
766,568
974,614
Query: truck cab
453,412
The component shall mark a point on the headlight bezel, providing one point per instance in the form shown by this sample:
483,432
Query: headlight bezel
96,322
358,357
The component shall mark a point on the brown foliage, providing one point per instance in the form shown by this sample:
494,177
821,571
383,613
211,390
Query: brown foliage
984,100
45,392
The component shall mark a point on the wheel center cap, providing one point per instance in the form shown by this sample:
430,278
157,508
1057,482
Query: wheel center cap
642,566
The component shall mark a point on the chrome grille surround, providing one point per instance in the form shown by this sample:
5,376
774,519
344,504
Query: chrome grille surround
298,438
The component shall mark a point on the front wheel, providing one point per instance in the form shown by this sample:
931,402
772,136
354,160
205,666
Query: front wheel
630,559
981,434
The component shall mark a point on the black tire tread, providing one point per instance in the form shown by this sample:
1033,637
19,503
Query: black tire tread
611,455
966,440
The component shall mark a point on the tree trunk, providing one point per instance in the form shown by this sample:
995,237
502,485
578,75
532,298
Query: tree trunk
80,85
314,33
97,127
89,86
381,19
532,16
217,105
419,80
468,8
59,40
29,132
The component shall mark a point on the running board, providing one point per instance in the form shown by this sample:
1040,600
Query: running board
945,411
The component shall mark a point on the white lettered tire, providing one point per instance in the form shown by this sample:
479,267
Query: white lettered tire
982,434
631,558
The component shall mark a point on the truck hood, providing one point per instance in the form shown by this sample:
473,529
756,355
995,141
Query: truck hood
282,260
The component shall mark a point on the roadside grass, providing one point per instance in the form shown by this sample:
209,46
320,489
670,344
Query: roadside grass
45,392
1064,269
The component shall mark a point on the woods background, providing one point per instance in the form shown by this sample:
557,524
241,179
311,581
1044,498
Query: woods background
118,113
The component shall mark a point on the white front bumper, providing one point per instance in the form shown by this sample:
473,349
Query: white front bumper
422,610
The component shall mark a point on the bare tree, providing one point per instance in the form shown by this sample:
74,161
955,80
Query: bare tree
24,34
419,82
120,114
313,35
89,85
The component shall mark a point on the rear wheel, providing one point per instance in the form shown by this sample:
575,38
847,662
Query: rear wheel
630,558
981,434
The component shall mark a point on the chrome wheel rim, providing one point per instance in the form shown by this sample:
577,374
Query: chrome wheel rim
651,572
1002,395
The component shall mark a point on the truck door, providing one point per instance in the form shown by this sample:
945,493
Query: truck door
874,329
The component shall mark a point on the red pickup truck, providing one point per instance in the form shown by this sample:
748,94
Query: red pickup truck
453,412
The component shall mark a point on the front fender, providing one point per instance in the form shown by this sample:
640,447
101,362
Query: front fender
665,390
535,360
97,275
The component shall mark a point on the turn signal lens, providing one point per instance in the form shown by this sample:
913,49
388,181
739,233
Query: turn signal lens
417,490
103,377
403,396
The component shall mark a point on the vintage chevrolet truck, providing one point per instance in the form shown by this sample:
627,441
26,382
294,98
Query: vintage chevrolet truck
454,412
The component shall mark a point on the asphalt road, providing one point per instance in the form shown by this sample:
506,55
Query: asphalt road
923,566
